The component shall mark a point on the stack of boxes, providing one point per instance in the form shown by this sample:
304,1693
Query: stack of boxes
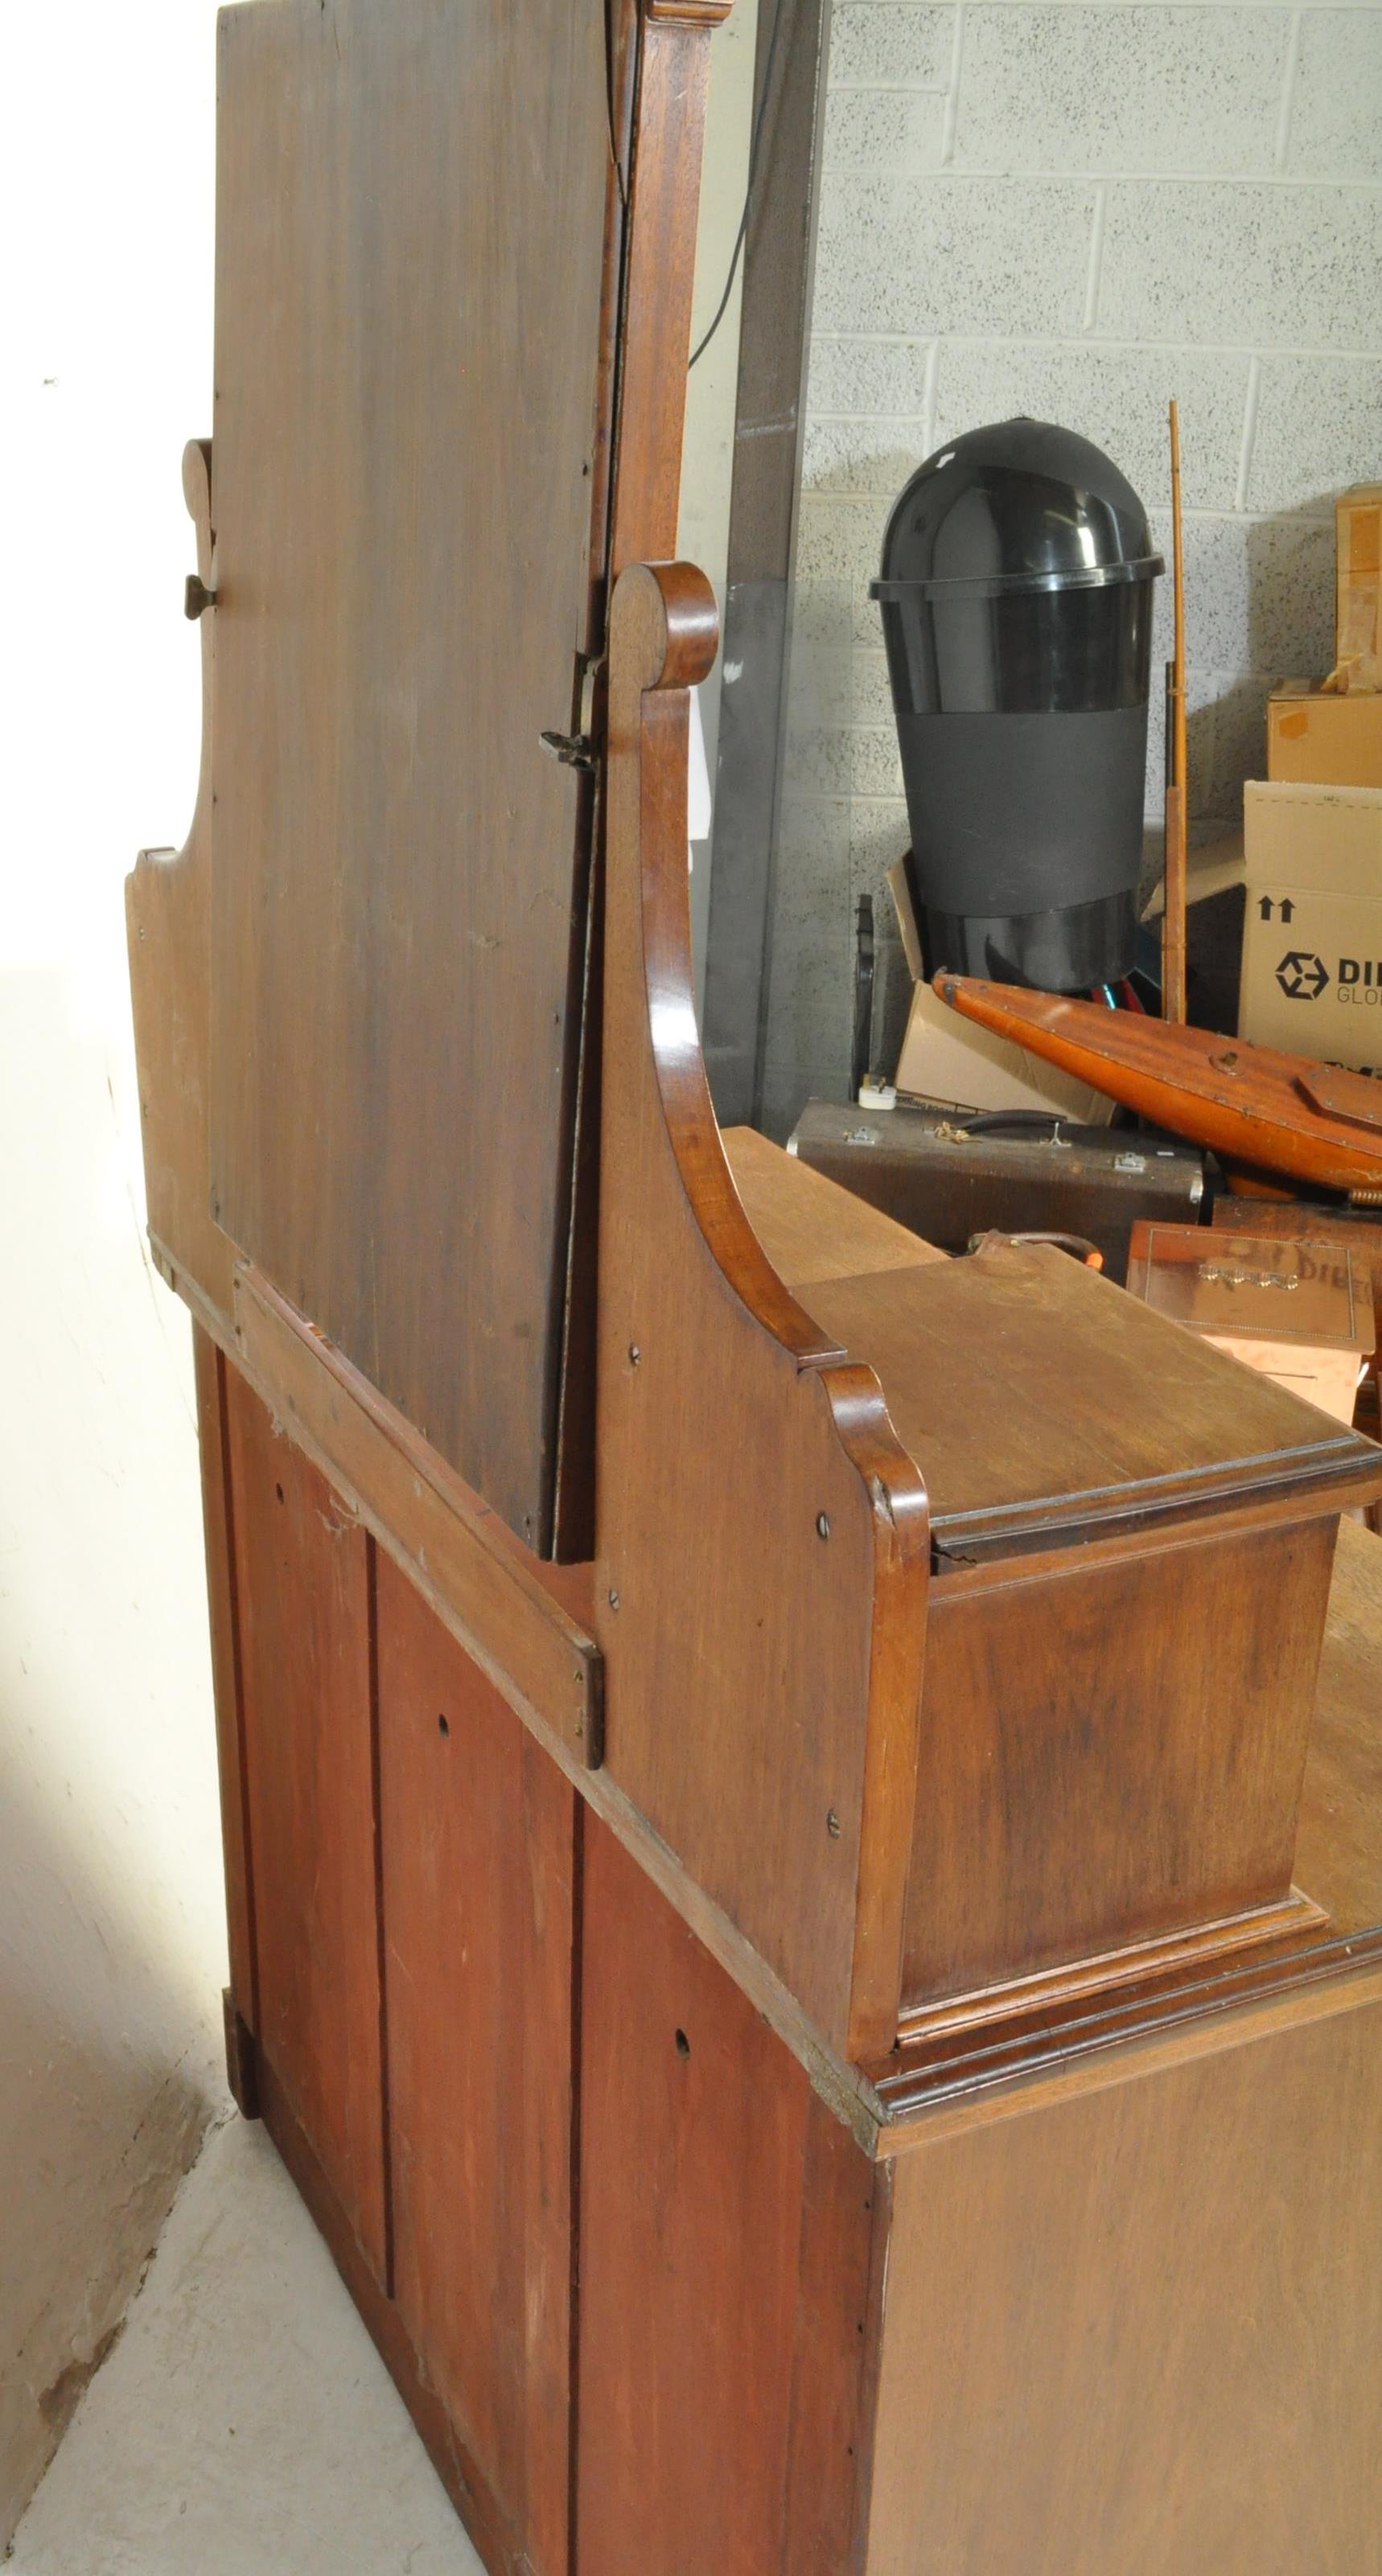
1312,945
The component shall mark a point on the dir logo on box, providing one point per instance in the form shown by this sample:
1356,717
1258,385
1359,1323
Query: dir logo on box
1302,975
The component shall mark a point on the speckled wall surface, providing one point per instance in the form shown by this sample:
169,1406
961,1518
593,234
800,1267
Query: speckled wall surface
1073,211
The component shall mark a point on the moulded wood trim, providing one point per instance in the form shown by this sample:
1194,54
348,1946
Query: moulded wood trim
1002,2073
688,13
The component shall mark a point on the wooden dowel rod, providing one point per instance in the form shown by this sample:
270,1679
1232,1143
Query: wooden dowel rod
1173,917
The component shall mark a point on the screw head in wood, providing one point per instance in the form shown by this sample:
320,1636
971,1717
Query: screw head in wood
614,1600
832,1826
822,1524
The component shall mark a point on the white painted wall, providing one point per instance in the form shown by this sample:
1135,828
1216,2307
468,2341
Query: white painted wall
1076,211
111,1920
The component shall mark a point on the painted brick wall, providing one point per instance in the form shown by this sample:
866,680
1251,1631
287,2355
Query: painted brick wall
1073,211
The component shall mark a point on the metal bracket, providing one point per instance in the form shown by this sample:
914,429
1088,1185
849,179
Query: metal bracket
575,750
582,746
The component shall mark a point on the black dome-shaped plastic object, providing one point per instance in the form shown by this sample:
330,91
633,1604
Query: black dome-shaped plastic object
1016,595
1024,503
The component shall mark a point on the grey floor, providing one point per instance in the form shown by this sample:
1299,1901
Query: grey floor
244,2424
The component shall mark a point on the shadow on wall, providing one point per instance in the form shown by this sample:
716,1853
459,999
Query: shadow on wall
111,1909
1259,606
99,2120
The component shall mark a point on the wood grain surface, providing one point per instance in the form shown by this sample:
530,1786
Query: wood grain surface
302,1585
727,2232
810,1228
526,1624
478,1834
168,925
1250,1104
1033,1394
1139,2331
1112,1754
410,232
762,1536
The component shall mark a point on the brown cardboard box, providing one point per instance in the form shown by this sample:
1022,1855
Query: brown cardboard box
956,1065
960,1066
1358,558
1312,940
1318,740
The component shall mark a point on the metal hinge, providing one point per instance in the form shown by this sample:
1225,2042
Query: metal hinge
581,747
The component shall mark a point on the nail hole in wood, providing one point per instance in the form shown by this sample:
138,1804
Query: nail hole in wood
443,1726
278,1489
683,2044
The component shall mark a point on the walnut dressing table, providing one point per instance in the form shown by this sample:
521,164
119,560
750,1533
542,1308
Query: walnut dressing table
803,1840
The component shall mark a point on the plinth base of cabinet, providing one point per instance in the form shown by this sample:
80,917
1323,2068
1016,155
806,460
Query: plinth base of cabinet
1205,1942
242,2064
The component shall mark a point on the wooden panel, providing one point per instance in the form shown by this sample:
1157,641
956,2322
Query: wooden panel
762,1538
1024,1386
302,1569
168,925
410,244
1339,1852
510,1610
726,2233
1058,2045
478,1833
1111,1754
1140,2332
213,1433
809,1227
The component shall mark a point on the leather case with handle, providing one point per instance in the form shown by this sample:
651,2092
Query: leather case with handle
949,1175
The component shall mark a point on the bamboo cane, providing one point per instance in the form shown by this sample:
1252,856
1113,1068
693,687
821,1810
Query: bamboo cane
1173,917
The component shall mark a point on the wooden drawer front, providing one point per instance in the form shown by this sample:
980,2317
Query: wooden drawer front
1111,1753
478,1835
302,1574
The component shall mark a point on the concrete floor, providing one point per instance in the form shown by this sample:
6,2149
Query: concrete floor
244,2424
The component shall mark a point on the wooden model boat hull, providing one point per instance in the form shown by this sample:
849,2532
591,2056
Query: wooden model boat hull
1248,1103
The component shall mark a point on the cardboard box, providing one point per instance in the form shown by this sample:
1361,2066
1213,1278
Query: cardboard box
1358,579
1312,940
957,1065
1319,740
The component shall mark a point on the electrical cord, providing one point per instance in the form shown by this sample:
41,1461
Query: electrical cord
754,149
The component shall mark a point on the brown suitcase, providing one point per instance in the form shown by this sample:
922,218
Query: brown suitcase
951,1175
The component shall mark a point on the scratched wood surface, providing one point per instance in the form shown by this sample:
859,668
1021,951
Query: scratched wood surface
410,224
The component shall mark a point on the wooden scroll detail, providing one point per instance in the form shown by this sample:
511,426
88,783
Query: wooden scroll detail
762,1535
168,921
